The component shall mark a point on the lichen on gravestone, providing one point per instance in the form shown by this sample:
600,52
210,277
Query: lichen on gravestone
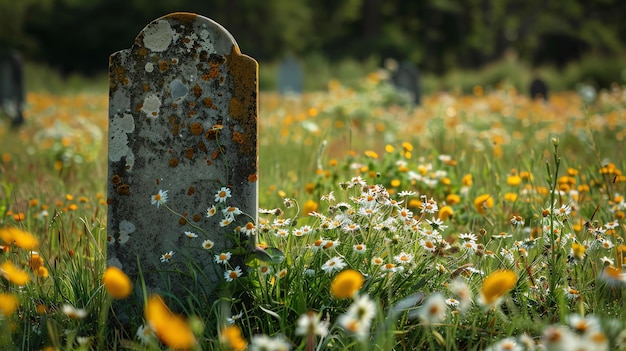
182,128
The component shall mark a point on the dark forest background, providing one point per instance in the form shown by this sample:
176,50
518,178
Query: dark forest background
77,36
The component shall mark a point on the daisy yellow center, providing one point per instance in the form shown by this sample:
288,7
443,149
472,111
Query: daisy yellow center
157,197
223,257
222,194
234,274
430,245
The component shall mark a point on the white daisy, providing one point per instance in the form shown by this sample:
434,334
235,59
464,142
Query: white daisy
159,198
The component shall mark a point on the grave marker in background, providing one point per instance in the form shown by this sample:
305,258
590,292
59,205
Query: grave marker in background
290,76
407,78
182,128
12,86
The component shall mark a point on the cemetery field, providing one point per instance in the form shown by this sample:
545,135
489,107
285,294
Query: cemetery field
482,221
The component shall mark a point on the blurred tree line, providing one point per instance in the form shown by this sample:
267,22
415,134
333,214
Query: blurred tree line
437,35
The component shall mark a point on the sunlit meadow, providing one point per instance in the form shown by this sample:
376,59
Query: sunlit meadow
483,221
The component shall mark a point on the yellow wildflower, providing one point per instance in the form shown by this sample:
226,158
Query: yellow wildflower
346,284
483,202
496,285
117,283
8,304
171,329
14,274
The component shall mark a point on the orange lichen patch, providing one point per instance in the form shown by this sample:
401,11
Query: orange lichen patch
214,70
117,74
191,191
238,137
173,162
123,189
115,180
163,66
197,217
196,128
243,105
189,153
174,123
211,134
142,51
202,147
216,153
208,102
182,221
197,91
146,88
252,178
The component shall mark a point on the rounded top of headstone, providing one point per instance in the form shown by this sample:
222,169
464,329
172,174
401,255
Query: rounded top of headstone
188,29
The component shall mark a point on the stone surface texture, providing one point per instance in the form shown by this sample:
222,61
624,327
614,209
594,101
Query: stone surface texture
182,119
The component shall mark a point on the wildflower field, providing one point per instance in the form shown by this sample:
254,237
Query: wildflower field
471,222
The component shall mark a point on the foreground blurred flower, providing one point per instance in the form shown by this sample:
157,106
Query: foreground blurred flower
73,312
231,336
496,285
171,329
483,202
434,309
310,324
14,274
21,238
358,318
613,276
8,304
117,283
346,284
266,343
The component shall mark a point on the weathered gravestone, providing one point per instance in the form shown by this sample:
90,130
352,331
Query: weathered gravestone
182,138
538,89
12,86
407,78
290,76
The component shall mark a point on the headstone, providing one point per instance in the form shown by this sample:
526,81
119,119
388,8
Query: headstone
182,128
290,76
12,86
406,78
538,89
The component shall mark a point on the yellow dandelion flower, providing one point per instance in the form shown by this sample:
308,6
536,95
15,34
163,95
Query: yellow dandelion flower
407,147
42,272
117,283
346,284
231,336
578,250
511,197
483,202
445,212
453,199
389,148
8,304
496,285
395,183
467,180
371,154
514,180
310,206
21,238
14,274
171,329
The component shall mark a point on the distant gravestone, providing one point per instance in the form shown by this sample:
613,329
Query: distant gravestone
406,78
12,86
182,128
290,76
538,89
